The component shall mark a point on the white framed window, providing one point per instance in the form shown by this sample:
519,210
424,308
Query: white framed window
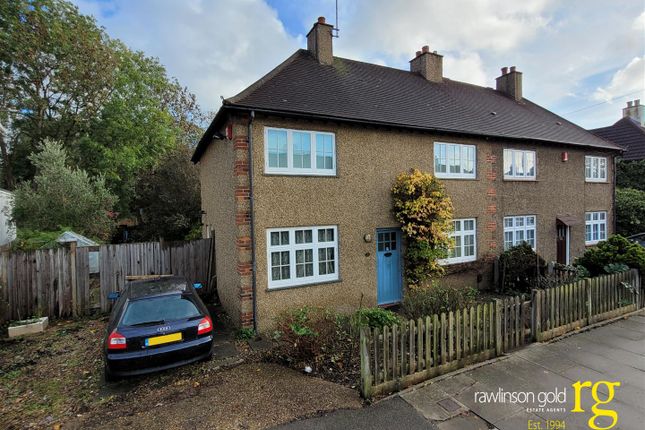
452,160
299,152
595,169
595,227
519,229
519,164
302,255
464,235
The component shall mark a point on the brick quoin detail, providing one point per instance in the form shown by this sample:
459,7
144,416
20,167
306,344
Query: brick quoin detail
491,192
490,158
491,175
243,243
491,209
246,319
241,168
491,226
492,245
240,142
242,218
242,193
244,268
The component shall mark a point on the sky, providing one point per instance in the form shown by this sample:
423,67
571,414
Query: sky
582,59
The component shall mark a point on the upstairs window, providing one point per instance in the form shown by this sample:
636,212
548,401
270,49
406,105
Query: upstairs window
298,152
453,160
595,169
519,164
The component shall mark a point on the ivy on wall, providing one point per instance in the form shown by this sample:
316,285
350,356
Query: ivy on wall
424,210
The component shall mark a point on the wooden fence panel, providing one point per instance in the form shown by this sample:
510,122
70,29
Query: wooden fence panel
56,282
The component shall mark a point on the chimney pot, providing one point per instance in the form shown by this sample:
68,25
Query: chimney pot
418,53
629,103
321,19
637,102
425,49
504,70
512,68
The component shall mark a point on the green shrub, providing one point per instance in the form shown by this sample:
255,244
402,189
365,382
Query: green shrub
630,210
520,268
374,317
616,249
616,268
434,299
245,334
29,240
307,334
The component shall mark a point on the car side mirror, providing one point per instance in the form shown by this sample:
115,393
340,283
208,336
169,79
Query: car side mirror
114,295
197,285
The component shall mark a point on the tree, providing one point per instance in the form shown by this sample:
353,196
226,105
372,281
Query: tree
60,195
62,77
424,210
631,174
169,198
630,211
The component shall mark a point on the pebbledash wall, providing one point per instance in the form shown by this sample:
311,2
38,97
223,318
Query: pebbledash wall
358,201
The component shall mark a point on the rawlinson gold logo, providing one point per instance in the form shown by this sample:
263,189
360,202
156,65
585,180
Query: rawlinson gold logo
598,412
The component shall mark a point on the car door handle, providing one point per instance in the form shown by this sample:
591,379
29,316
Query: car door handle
388,254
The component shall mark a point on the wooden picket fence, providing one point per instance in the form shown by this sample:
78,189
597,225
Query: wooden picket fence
572,306
56,282
396,357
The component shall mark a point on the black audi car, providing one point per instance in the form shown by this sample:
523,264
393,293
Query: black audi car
155,325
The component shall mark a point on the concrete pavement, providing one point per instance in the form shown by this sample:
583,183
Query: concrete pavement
532,385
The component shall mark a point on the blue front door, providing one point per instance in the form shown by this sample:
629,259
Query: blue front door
388,262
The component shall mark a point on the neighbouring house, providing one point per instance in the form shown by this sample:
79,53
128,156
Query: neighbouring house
7,227
628,132
297,169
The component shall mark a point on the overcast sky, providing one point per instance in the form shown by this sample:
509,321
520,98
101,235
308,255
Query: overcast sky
582,59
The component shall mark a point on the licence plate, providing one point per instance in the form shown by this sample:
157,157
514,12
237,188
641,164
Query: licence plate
159,340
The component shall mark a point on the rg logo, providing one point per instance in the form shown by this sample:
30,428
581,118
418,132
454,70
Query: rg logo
610,387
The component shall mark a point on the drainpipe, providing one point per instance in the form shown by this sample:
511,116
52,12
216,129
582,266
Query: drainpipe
252,221
613,194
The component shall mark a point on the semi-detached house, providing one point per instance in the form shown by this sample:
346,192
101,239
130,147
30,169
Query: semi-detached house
296,173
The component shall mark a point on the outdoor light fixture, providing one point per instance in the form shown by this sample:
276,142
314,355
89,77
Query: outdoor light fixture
565,156
367,238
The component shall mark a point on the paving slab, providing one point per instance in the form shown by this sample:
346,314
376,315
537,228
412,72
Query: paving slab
464,422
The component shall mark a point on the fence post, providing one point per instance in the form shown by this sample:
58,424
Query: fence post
588,296
498,327
73,280
536,315
366,374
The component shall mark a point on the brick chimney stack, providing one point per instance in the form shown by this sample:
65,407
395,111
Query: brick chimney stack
510,83
319,41
635,110
428,64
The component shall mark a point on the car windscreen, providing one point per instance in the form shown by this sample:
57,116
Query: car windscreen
159,309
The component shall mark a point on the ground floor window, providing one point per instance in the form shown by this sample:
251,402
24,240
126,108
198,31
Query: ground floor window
464,235
519,229
595,227
302,255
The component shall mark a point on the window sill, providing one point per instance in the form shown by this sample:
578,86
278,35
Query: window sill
309,284
591,181
511,179
456,178
448,263
305,175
